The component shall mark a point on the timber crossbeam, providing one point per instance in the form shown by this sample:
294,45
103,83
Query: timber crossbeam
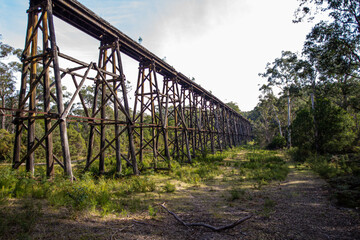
172,116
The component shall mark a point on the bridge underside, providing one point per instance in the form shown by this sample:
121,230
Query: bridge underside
172,117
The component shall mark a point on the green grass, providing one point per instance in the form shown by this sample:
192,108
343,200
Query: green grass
121,195
342,172
169,188
263,167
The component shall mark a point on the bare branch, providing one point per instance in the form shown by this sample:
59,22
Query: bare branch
216,229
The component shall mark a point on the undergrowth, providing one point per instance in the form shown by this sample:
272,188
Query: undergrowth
120,195
342,172
263,166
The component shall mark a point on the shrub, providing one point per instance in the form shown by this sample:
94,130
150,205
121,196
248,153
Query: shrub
169,188
152,211
278,142
6,140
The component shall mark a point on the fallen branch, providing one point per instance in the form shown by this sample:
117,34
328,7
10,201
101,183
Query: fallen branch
216,229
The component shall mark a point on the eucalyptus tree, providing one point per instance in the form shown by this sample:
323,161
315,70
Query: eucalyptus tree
282,74
7,78
333,46
268,95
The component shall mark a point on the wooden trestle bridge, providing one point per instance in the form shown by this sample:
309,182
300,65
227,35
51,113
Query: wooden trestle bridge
180,117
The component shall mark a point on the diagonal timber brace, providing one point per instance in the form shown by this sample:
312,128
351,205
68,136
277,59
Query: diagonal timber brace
172,117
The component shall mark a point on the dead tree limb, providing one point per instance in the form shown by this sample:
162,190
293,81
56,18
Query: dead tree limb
216,229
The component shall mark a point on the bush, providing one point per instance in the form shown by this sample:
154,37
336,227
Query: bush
299,154
169,188
278,142
6,140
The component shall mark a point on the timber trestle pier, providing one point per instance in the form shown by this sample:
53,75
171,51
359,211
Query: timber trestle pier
171,116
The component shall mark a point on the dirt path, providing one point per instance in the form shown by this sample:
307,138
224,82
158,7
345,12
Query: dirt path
297,208
303,211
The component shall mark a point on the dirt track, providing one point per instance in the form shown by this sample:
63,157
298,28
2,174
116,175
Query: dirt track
298,208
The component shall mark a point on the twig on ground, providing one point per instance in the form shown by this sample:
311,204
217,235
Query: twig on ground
216,229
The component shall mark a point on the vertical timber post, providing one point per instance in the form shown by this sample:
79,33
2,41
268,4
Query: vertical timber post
102,112
116,117
129,122
49,139
60,104
32,108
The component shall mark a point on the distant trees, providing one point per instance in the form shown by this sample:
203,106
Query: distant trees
7,82
321,87
282,73
234,106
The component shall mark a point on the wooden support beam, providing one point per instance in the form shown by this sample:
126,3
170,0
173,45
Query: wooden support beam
59,94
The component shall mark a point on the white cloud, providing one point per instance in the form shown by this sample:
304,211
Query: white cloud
224,44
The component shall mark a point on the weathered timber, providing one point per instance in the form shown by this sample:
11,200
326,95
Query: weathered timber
171,118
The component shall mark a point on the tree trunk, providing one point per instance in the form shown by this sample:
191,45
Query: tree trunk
289,119
314,117
277,120
344,90
2,112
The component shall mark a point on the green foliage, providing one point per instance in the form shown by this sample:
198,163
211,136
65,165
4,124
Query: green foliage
343,174
331,166
140,184
169,188
234,106
334,125
8,181
303,130
278,142
186,174
347,190
204,167
263,167
152,211
6,140
76,143
197,172
86,194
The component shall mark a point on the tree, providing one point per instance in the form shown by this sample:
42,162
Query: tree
7,79
333,46
335,128
282,73
267,94
234,106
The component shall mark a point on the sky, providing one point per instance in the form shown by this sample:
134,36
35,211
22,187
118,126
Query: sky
223,44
